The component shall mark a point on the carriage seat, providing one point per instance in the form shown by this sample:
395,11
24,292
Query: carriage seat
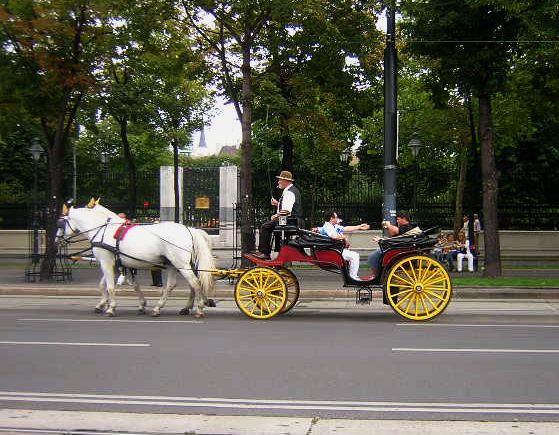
308,239
415,238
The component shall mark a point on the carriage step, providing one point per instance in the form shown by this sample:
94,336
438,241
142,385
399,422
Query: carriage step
364,296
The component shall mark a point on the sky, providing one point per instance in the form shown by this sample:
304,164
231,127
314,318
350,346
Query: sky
223,129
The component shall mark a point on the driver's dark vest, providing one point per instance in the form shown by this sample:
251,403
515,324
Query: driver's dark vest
297,210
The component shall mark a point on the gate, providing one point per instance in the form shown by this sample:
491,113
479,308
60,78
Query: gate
201,198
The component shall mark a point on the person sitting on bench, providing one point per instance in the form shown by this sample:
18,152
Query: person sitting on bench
334,230
289,204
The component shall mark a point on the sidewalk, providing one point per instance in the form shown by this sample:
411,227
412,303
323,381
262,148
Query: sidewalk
314,283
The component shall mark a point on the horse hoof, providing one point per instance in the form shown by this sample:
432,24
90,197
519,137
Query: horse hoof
110,313
184,312
98,310
141,311
199,315
155,314
211,303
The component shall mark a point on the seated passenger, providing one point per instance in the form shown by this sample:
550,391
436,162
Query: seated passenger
402,226
334,230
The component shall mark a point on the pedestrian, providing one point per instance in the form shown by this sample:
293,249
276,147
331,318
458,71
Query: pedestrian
477,231
464,252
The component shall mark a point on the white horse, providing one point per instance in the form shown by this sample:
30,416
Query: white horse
131,279
167,245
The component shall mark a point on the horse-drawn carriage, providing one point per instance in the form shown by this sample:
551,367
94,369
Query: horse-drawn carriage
413,283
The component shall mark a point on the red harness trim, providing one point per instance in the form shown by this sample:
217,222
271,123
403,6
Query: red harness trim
123,229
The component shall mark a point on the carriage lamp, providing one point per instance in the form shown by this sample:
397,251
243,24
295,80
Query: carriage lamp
36,151
415,145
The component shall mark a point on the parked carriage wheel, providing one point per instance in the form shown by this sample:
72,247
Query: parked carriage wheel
261,293
293,289
418,288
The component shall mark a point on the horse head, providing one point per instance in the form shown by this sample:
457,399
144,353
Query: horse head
74,221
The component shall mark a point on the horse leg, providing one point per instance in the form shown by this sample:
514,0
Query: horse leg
166,291
189,303
195,286
104,296
141,298
109,274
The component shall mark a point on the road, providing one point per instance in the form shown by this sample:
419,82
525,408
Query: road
487,360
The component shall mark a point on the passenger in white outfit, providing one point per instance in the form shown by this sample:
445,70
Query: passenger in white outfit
334,230
464,253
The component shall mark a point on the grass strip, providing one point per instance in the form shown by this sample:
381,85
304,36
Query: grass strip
505,282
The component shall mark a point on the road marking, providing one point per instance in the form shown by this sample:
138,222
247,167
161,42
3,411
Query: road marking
62,343
53,319
67,432
476,325
412,349
295,405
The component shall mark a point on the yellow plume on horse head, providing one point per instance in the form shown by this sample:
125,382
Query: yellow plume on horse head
65,210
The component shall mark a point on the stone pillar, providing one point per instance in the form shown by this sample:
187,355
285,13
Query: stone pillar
167,193
228,195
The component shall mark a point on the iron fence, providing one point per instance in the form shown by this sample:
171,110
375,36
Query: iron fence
357,197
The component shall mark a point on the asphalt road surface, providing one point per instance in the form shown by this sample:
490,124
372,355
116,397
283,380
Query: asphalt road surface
485,360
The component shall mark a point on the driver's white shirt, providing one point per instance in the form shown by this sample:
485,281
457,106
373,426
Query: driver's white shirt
287,200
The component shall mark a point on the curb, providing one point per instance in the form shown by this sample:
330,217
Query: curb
228,293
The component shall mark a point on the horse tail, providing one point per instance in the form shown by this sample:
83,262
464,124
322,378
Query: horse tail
203,260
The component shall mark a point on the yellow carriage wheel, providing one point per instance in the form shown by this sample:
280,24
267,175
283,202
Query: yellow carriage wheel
293,289
418,288
261,293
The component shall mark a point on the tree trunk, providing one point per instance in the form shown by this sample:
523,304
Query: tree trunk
490,190
176,184
56,150
460,190
247,207
287,147
132,199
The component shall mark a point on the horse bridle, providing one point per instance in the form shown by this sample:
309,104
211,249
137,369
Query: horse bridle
61,224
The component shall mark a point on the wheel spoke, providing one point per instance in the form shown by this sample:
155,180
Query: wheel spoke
434,305
435,295
425,309
404,298
401,292
403,280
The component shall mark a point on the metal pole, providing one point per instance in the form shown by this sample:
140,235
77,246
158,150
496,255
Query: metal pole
35,223
74,174
415,176
390,119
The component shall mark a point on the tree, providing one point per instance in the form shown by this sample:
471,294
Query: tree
49,50
232,36
473,44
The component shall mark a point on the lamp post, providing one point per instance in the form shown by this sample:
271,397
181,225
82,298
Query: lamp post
415,147
36,151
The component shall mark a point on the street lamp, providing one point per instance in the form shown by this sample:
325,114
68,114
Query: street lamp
36,150
415,146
